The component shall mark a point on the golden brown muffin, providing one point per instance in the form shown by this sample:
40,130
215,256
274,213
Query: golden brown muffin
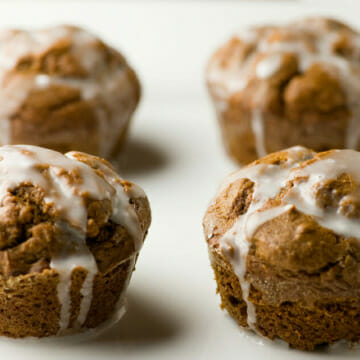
278,86
70,233
284,242
64,89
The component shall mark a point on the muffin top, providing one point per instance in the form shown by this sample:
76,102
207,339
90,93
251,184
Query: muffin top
310,66
296,210
57,208
77,66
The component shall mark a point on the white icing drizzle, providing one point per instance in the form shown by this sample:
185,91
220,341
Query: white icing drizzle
269,66
86,292
328,167
113,88
234,76
268,181
48,170
63,292
257,124
42,81
65,264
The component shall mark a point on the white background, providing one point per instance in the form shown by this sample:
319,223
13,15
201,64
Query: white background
176,155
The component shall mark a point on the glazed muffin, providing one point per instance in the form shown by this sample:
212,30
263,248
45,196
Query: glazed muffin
70,233
284,242
278,86
64,89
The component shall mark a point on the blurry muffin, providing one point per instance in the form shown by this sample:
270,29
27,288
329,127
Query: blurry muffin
70,233
63,88
278,86
284,242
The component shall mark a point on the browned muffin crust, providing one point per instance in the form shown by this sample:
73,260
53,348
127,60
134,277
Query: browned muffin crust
302,276
305,94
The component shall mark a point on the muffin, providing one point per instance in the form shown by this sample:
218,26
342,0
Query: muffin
283,237
278,86
64,89
70,233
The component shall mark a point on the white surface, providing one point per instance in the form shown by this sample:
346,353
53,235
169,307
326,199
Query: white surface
175,154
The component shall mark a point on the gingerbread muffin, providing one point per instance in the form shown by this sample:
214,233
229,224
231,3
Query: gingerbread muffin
64,89
70,233
278,86
284,242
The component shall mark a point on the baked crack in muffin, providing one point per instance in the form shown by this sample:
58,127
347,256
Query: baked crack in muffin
278,86
70,233
283,236
63,88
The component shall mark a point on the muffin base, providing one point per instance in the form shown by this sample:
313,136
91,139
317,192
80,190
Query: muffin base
240,143
29,305
302,327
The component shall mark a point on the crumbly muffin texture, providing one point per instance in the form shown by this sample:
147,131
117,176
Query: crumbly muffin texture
63,88
70,233
283,237
278,86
